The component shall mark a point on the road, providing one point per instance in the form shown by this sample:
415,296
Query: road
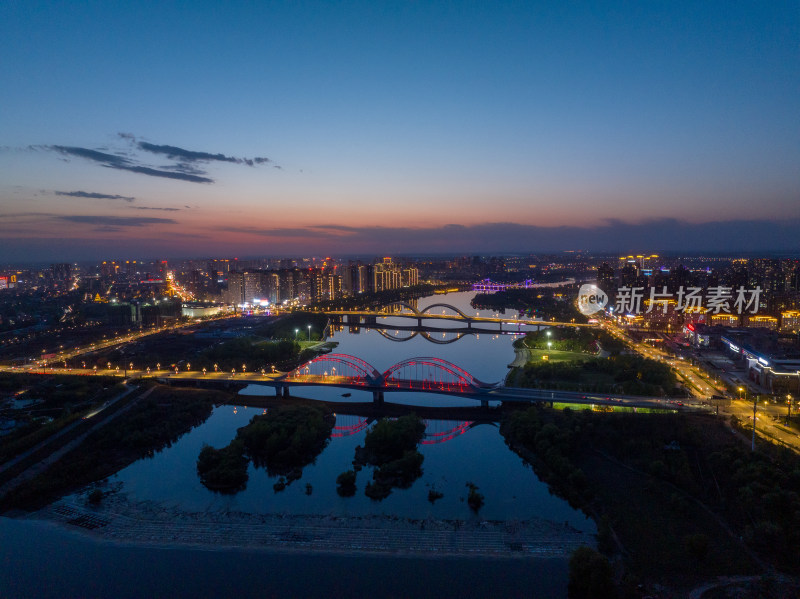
57,450
116,341
699,384
770,418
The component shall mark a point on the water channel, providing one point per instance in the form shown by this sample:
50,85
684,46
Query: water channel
455,451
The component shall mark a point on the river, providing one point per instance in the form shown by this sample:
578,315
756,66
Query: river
456,452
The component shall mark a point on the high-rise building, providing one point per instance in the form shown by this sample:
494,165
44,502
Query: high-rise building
236,288
61,272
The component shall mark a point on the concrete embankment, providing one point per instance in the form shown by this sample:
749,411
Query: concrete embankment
152,524
522,356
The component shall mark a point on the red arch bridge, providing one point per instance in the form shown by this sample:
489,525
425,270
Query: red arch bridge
425,374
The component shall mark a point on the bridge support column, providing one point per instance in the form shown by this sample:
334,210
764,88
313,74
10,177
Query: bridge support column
278,390
377,397
484,403
286,392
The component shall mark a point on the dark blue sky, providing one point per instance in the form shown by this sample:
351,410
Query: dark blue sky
246,127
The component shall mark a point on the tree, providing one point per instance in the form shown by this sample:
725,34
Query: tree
590,575
697,546
346,483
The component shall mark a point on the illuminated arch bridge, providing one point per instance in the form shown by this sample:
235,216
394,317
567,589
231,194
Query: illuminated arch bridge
414,374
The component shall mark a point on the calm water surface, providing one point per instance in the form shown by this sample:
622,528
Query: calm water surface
477,454
474,454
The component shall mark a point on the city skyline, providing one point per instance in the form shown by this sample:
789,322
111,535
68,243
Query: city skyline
399,128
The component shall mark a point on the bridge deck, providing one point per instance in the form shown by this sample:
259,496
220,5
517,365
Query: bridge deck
487,319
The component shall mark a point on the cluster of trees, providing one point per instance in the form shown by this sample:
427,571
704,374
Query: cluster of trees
591,575
287,438
60,401
758,493
223,470
253,352
761,496
391,445
544,303
629,374
147,427
283,442
689,463
551,447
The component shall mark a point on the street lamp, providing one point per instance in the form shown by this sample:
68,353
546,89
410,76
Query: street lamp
309,332
295,334
788,408
755,406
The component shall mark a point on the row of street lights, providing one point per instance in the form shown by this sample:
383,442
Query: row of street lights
298,330
755,406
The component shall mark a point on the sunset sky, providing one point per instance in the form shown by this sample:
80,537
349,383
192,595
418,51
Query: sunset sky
284,128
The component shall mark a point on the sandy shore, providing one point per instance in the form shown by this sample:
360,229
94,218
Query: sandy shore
146,523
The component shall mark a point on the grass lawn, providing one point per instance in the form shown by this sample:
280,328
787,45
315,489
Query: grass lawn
537,356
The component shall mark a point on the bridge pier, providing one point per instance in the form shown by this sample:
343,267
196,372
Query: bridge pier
484,403
278,390
286,392
377,398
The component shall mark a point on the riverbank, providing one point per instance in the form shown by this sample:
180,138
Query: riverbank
148,523
50,561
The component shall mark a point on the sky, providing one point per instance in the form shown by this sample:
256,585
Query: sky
180,129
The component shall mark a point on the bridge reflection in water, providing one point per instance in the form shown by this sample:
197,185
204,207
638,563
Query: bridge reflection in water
436,431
